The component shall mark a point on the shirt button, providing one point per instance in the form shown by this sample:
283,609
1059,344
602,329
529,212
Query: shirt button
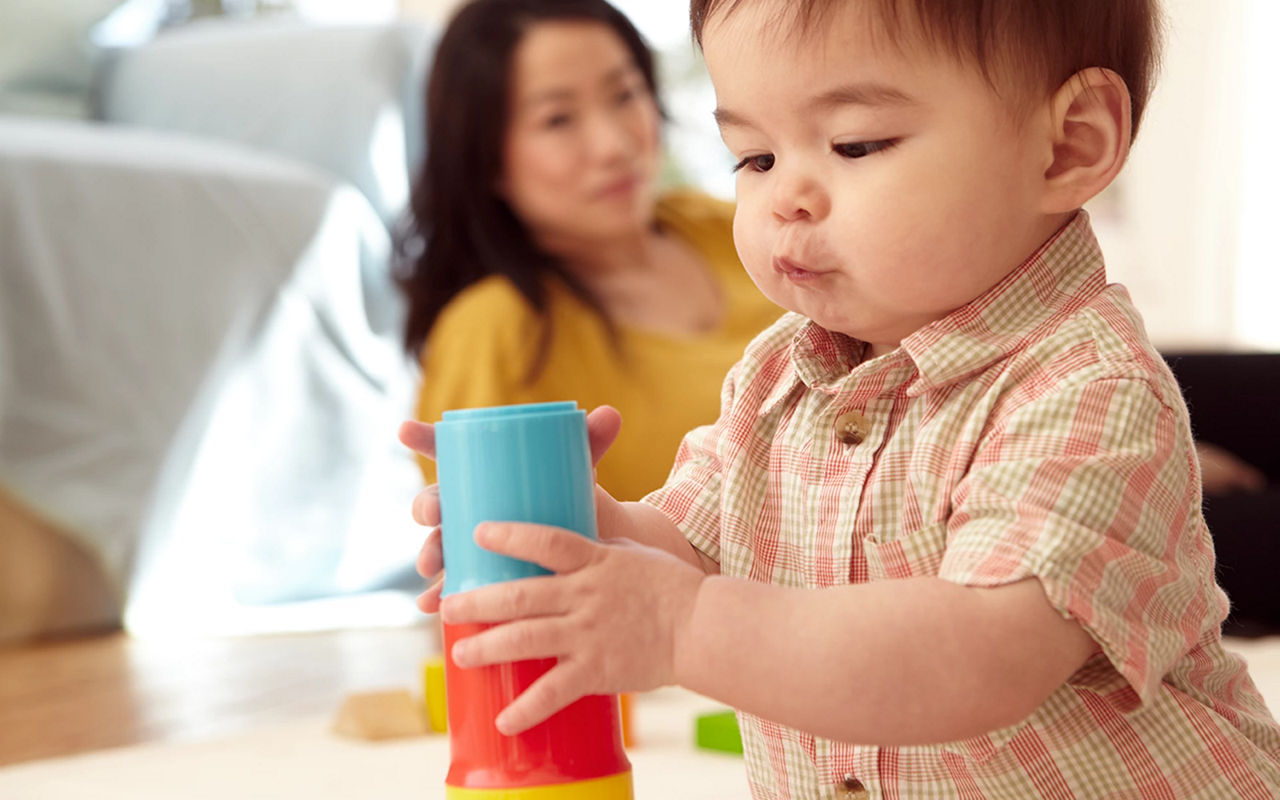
852,427
852,789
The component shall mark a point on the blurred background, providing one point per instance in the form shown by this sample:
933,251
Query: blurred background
200,368
1184,230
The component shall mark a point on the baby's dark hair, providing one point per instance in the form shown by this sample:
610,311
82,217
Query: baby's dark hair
1030,46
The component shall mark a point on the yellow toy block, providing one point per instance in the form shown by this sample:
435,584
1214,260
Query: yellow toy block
433,694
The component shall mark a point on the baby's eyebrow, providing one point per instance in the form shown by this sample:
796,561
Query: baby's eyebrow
854,94
730,119
862,94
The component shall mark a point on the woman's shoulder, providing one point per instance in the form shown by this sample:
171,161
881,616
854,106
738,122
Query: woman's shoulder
494,291
478,347
694,212
706,223
491,308
488,300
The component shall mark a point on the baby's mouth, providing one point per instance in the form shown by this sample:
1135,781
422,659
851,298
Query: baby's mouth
793,271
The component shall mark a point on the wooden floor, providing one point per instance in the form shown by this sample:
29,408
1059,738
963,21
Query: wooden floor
65,697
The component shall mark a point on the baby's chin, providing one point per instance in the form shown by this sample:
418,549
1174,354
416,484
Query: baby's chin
836,320
879,339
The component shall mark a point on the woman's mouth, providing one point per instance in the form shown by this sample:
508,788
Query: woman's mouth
622,187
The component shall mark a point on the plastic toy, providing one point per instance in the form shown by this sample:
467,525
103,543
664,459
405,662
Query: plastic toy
718,731
433,694
380,715
530,463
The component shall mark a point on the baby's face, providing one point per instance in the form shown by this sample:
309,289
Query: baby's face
880,187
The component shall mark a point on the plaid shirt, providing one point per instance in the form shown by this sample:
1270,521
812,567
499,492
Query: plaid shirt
1033,432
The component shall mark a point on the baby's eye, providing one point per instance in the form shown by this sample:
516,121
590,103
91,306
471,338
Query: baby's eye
760,163
863,149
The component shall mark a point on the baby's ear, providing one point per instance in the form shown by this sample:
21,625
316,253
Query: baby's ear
1092,128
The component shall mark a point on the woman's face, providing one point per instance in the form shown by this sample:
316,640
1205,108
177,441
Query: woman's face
581,150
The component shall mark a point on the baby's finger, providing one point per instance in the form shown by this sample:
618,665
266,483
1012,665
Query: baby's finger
503,602
543,637
431,556
552,548
555,689
429,601
419,437
426,506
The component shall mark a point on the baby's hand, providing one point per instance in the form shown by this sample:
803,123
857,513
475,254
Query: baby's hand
603,424
610,616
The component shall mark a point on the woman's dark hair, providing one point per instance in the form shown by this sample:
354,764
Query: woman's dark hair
458,230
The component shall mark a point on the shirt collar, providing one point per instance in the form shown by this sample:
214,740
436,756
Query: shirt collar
1065,274
1059,278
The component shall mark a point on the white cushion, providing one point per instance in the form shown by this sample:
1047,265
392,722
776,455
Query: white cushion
345,99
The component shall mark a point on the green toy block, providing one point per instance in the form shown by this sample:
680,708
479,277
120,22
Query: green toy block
718,731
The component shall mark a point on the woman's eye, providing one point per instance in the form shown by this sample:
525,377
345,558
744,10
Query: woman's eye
760,163
557,121
625,96
863,149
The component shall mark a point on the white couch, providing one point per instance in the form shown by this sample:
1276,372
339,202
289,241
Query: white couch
200,368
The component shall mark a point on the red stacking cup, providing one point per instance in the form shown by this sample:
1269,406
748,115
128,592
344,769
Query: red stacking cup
528,463
577,753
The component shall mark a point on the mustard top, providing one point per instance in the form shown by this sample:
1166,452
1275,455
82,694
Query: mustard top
479,351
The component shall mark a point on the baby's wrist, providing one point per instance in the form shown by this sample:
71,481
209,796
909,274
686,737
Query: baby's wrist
685,649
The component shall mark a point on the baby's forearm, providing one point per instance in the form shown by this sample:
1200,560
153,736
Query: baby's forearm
644,524
887,663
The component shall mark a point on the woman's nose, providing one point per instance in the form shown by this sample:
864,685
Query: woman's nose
798,195
611,137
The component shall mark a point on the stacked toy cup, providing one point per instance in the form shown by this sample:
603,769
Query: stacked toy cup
523,463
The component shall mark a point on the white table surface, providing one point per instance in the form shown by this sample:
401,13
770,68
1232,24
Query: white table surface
305,760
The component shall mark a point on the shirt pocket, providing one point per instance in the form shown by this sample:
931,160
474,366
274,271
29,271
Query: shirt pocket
911,555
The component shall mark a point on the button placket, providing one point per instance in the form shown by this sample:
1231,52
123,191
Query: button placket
852,427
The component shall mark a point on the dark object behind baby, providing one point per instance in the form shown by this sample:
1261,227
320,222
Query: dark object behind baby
1234,399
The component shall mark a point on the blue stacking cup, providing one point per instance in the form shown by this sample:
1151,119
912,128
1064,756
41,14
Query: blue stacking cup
521,463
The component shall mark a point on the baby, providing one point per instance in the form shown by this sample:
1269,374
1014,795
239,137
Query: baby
945,538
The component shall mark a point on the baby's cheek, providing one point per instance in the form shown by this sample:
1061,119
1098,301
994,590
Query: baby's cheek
753,245
759,265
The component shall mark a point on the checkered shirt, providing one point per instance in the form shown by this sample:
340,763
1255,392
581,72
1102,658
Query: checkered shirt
1032,432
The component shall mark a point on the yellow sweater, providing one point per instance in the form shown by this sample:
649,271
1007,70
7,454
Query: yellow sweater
480,348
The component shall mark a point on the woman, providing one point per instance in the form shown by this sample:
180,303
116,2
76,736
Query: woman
543,256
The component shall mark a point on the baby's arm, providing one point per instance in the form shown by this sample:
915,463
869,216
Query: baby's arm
901,662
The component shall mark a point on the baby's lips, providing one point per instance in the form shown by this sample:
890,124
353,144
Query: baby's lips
786,265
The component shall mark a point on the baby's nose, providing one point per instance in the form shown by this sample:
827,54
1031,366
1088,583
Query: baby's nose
798,195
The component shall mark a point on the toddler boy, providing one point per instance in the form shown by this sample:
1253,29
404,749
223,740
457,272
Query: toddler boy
945,538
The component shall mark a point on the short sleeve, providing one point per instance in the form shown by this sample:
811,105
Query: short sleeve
1093,490
476,355
691,496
